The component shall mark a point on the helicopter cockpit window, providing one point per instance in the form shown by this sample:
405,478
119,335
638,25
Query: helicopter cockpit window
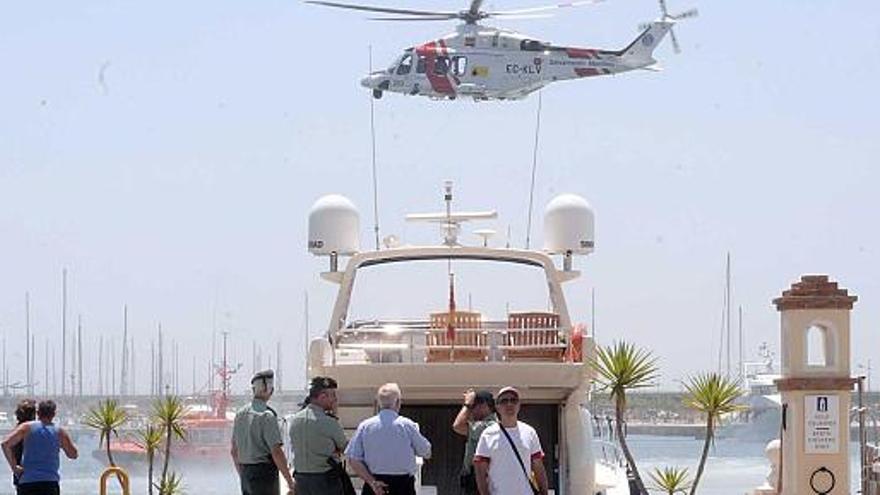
405,65
532,46
420,65
441,66
459,65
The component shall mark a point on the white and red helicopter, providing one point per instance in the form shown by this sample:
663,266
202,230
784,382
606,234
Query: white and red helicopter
488,63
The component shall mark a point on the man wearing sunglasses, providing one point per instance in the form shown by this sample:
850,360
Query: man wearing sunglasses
476,414
509,457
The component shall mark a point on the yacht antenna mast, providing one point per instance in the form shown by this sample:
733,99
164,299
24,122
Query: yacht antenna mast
373,145
534,170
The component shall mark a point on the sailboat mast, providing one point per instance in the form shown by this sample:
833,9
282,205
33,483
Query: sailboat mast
727,313
741,371
46,376
123,379
593,314
307,333
224,377
153,367
159,389
100,365
64,331
278,364
79,352
133,368
27,338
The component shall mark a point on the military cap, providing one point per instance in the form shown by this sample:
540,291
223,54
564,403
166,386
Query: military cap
263,375
321,383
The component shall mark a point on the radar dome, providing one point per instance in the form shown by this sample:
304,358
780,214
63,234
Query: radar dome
568,225
334,226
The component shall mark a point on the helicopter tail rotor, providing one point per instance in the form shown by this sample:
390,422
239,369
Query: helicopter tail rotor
673,18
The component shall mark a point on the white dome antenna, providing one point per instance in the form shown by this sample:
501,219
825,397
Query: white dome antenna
334,228
569,227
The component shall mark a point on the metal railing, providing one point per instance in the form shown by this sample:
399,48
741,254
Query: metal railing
416,341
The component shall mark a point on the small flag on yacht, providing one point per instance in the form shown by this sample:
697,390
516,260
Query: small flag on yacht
450,322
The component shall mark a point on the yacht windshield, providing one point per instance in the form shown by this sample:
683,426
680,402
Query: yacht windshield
414,290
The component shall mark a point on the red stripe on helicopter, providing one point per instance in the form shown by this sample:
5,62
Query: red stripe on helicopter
440,84
445,51
582,53
587,72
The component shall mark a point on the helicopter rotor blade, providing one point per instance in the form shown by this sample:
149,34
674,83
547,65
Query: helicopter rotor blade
663,9
413,18
675,45
384,10
546,8
687,14
475,7
517,17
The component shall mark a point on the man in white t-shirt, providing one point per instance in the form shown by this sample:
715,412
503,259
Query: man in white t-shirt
496,466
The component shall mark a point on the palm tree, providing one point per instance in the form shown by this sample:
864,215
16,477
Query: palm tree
150,439
670,480
621,367
713,395
168,413
107,417
172,485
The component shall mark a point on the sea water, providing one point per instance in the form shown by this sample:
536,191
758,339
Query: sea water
734,467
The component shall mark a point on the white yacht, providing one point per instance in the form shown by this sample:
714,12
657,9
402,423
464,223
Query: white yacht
441,319
762,419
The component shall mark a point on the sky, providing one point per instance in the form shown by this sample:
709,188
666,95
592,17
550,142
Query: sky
167,154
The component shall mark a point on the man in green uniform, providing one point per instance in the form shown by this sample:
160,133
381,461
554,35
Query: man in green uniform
317,439
256,442
477,413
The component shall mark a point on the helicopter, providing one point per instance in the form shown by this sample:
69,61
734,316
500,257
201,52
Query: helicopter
488,63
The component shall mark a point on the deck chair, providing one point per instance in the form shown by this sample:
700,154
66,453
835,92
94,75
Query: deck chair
470,342
533,335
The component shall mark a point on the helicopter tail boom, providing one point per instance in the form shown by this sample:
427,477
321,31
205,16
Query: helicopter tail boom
640,51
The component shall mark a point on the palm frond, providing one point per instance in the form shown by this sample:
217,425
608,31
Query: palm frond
713,395
169,412
670,479
623,366
170,485
106,417
149,438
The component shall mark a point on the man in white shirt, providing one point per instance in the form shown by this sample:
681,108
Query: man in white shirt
499,470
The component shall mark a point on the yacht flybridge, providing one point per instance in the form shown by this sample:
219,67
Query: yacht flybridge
440,319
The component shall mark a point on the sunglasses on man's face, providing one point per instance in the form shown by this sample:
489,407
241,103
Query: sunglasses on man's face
508,400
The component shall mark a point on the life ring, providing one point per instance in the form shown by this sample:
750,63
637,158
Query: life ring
576,346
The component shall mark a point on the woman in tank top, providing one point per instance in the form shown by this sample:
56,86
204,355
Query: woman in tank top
39,469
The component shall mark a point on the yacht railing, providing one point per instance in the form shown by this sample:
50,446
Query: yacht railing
608,453
418,341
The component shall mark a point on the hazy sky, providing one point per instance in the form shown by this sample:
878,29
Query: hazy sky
167,154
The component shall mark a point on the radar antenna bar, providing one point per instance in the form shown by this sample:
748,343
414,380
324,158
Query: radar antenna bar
534,170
